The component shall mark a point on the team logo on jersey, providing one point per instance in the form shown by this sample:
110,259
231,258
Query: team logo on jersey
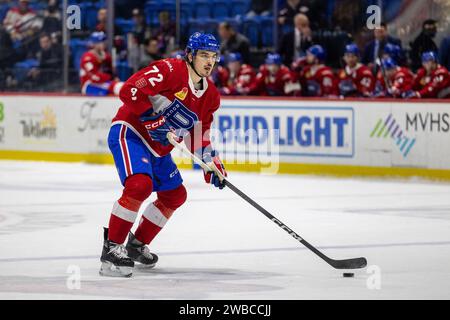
179,116
182,94
141,83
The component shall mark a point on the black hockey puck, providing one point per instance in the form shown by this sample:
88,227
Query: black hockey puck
348,275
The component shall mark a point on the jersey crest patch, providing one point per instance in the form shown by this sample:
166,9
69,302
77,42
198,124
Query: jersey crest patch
182,94
141,83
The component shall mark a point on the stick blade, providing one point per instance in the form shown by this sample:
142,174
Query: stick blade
356,263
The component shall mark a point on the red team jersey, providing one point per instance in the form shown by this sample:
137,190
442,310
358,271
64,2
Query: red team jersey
401,81
318,81
165,87
279,84
357,81
435,85
95,69
240,82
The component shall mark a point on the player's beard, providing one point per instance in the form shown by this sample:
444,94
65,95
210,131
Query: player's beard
206,70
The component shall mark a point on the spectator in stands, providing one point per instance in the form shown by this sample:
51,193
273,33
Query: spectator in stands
7,52
260,8
318,80
444,53
102,20
274,79
375,49
50,61
314,9
165,33
151,53
348,15
7,56
355,80
22,22
126,7
52,19
239,78
140,31
432,80
423,43
293,45
96,71
233,41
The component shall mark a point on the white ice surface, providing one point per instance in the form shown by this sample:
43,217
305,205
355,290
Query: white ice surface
218,247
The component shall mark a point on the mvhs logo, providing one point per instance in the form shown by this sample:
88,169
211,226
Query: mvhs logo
390,129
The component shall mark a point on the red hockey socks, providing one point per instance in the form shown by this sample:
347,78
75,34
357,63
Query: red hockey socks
137,188
158,213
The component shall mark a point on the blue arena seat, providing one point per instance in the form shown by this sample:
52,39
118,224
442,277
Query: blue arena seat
202,9
126,25
220,10
267,31
251,29
89,14
77,48
123,70
239,7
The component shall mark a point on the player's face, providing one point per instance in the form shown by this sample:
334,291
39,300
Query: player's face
273,68
99,46
430,66
390,72
310,59
350,59
204,62
234,66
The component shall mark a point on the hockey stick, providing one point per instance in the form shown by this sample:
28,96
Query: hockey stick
385,77
356,263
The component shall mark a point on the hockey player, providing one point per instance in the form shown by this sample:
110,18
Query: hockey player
318,80
432,80
355,80
240,76
399,79
96,71
168,95
274,79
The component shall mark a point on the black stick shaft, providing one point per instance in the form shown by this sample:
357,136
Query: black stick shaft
277,222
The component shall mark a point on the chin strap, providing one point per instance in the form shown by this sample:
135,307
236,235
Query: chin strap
191,63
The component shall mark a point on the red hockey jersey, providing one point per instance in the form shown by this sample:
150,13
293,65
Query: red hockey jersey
319,81
435,85
280,84
401,81
239,83
166,87
358,81
95,68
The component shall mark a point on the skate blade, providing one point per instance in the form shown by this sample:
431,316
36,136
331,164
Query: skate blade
144,267
107,269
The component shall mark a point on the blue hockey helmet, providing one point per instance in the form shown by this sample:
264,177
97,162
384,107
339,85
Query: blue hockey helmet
317,51
392,50
389,63
97,37
234,57
429,56
203,41
352,48
273,58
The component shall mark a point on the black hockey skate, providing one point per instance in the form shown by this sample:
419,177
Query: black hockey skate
115,260
139,252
